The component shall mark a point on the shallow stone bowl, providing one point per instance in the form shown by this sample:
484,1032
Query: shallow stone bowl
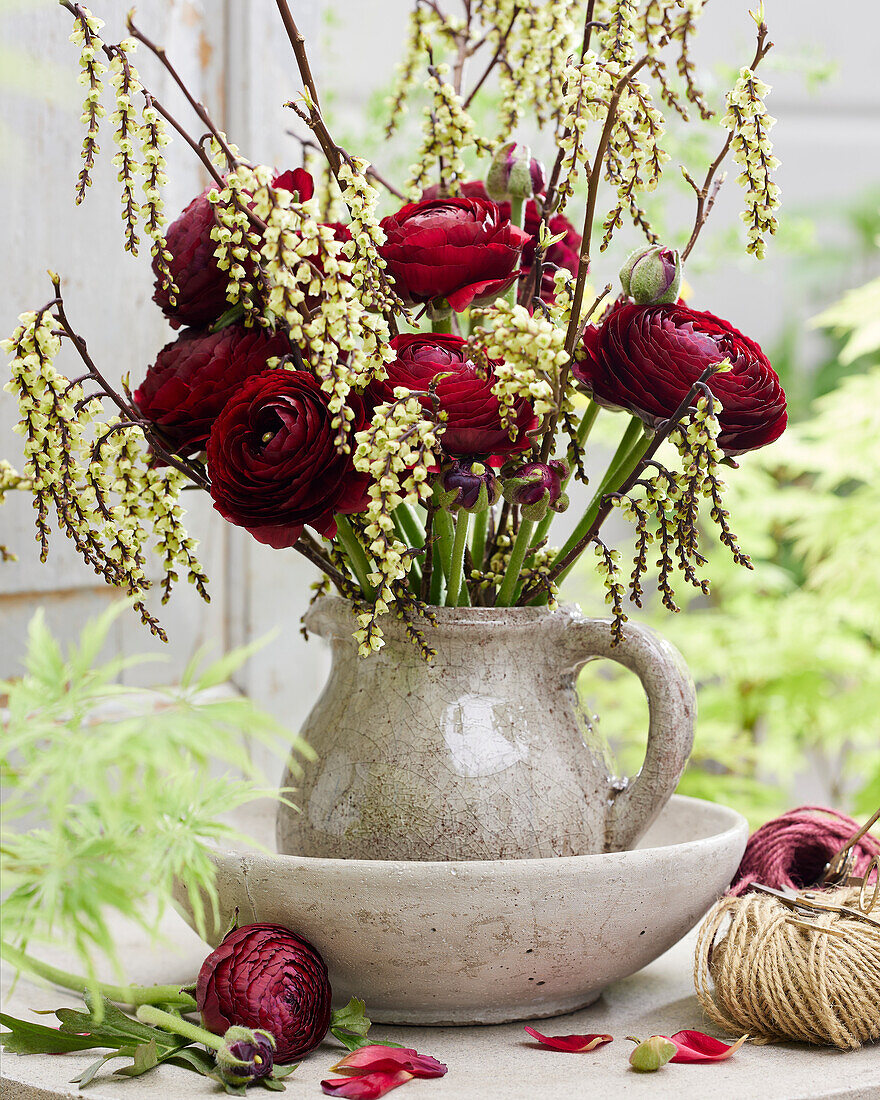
491,941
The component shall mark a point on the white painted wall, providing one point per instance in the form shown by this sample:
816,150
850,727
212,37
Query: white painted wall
237,58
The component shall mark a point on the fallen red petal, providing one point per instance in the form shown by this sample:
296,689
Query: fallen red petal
366,1087
694,1046
381,1059
571,1044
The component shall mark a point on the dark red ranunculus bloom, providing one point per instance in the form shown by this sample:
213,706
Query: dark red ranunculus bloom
195,375
473,426
565,254
263,976
461,249
645,359
273,462
200,283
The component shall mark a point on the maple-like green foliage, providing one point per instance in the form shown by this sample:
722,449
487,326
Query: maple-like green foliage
110,795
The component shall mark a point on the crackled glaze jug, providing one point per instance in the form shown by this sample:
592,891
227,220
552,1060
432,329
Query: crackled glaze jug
485,752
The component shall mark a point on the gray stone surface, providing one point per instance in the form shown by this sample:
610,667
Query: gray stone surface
489,1063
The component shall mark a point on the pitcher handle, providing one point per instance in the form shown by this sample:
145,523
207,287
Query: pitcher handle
672,706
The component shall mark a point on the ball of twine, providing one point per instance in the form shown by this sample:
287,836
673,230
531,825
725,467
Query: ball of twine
791,851
780,975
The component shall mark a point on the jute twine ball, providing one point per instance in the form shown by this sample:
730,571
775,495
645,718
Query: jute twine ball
778,974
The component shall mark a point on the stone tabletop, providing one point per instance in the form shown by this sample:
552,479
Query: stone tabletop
485,1063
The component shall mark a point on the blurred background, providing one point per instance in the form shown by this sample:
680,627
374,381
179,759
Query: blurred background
786,657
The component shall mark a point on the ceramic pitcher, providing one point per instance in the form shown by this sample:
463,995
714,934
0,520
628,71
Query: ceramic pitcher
485,752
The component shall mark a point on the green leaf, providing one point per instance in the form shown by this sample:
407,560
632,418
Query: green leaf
272,1083
192,1058
228,318
113,1025
146,1057
24,1037
353,1017
88,1074
279,1072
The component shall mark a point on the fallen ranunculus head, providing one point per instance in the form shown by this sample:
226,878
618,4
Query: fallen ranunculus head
201,284
263,976
273,461
473,425
646,358
193,377
462,249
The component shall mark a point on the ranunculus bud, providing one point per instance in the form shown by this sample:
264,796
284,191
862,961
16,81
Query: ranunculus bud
469,485
514,174
652,1054
536,487
263,976
246,1055
652,276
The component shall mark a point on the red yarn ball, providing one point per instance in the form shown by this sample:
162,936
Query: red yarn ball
792,851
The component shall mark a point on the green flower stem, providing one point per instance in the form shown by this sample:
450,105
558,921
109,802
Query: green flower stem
357,556
412,527
517,211
442,324
149,1014
584,429
456,567
517,557
444,540
123,994
415,569
618,471
478,538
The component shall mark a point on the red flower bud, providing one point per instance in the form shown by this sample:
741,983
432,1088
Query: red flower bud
273,461
646,358
263,976
515,174
201,285
473,418
652,276
469,485
463,250
195,375
536,487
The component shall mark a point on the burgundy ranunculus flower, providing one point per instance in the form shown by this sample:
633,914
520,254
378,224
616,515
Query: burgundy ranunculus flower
646,358
201,285
473,425
195,375
263,976
461,249
273,462
565,254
